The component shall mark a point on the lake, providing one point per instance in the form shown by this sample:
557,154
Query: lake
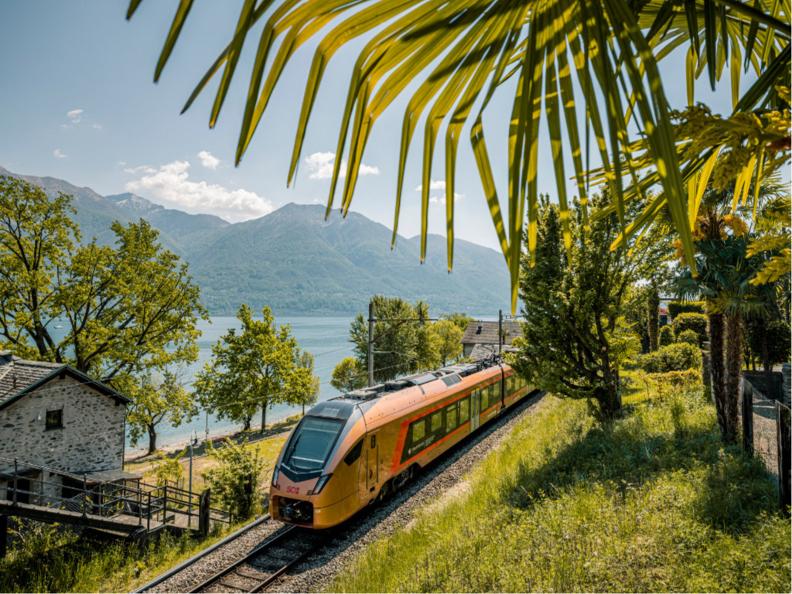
324,337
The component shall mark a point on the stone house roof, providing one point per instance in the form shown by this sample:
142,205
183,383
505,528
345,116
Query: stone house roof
19,377
482,351
487,332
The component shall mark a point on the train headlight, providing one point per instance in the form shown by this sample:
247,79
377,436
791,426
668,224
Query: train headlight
275,476
320,484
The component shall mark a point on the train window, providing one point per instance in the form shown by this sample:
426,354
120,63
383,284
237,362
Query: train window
464,410
417,431
354,453
436,422
493,394
451,417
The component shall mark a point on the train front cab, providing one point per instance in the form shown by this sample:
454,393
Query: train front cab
315,481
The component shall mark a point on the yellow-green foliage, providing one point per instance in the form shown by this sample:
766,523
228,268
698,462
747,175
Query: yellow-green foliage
53,560
652,502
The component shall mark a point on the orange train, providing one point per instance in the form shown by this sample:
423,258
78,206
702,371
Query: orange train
348,451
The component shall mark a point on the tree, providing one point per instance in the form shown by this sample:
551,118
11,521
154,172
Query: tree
653,316
127,308
401,338
235,479
448,337
249,370
449,69
574,335
723,280
460,320
348,375
156,401
303,385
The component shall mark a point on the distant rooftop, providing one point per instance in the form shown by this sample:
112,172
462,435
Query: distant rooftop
487,332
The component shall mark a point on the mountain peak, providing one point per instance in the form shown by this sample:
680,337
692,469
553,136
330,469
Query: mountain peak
134,202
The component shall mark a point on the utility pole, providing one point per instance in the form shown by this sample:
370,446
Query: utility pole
500,330
370,354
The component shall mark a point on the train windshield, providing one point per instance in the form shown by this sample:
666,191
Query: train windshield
311,443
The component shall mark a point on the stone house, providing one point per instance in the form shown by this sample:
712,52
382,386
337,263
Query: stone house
485,334
53,419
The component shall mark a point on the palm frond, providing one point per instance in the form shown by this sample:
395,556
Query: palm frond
453,57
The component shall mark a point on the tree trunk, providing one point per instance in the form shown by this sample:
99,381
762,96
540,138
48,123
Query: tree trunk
152,433
263,418
246,423
733,365
717,372
653,327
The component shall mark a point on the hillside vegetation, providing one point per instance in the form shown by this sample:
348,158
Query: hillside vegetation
652,502
294,261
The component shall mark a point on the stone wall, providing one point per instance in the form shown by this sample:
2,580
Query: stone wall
92,437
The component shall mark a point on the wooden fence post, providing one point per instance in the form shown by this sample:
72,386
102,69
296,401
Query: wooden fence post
783,437
747,416
203,512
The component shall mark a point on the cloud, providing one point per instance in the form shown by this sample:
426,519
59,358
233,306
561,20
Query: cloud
435,184
208,160
171,186
75,115
59,154
139,169
96,126
320,166
439,184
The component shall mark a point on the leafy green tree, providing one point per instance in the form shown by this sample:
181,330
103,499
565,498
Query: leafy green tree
250,369
303,385
575,336
460,320
448,337
401,338
348,375
235,479
127,308
156,401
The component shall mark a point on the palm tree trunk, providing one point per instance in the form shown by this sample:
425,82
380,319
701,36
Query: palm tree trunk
653,322
263,418
734,360
717,371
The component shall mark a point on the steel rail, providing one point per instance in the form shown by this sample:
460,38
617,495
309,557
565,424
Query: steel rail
259,551
188,562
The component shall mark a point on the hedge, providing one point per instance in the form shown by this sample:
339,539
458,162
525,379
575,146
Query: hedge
689,336
673,357
666,336
678,307
691,321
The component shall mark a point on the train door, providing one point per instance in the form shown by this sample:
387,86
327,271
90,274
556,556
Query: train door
372,462
475,409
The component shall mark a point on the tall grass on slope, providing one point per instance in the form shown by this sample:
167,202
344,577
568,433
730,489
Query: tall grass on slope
651,503
54,560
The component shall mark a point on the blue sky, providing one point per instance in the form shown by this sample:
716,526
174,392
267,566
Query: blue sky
78,103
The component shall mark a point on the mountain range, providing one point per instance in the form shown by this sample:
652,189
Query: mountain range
296,261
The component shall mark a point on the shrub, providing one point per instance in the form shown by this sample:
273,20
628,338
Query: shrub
666,336
688,336
673,357
235,479
679,307
691,321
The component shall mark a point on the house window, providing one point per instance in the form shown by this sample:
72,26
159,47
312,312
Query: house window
54,419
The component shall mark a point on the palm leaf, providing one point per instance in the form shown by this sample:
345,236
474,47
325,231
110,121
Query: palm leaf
451,56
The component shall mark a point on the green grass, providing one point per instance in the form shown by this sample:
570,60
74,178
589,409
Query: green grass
651,503
52,560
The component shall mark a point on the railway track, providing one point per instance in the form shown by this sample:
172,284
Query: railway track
264,564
